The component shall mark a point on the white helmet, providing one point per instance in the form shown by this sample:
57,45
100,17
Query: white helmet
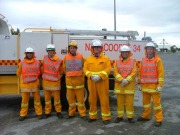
29,49
50,47
96,42
125,48
150,44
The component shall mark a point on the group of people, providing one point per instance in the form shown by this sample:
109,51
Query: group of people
96,68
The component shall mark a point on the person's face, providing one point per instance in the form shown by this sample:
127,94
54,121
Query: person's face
150,50
29,55
72,50
97,49
50,53
125,54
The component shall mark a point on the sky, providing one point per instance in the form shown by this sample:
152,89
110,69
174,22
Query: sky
160,19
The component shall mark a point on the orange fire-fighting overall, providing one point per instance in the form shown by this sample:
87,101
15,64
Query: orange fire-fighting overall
125,69
151,76
98,66
51,74
73,67
29,71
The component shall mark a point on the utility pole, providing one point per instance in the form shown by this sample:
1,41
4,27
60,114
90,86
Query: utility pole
163,44
114,17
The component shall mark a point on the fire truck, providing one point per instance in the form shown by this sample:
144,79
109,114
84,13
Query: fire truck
12,49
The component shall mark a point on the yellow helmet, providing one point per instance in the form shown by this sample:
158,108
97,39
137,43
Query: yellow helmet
73,43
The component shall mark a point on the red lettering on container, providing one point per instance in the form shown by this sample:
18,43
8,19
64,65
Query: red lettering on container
87,47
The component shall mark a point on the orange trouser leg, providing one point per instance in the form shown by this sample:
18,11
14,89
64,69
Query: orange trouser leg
129,103
104,101
57,102
80,100
24,103
120,105
37,103
71,101
48,106
147,105
92,101
157,107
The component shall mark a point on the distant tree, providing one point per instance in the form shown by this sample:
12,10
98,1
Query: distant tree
173,48
15,32
147,39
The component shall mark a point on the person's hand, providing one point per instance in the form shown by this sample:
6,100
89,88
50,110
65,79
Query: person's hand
98,78
124,82
139,87
95,78
159,89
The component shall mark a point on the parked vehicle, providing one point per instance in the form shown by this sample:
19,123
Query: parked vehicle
12,49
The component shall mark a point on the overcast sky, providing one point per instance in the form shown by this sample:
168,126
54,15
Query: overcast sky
159,18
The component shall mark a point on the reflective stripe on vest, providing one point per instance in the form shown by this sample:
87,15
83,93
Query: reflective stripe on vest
30,71
74,65
148,73
125,68
52,88
51,69
29,89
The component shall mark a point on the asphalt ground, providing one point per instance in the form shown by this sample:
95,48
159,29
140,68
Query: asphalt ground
10,106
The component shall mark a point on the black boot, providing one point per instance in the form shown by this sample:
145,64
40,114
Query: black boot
117,120
158,124
40,117
59,115
106,122
142,119
91,120
131,120
69,117
21,118
47,116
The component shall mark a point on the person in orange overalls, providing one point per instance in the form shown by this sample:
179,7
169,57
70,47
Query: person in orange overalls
97,68
151,75
125,72
73,68
29,71
51,74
